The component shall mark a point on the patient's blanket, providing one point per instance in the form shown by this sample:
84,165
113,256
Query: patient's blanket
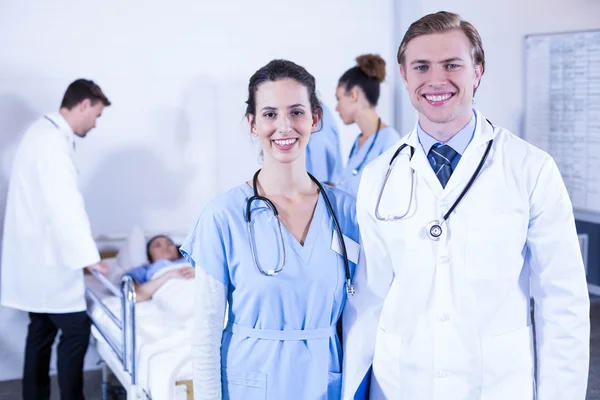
175,297
163,333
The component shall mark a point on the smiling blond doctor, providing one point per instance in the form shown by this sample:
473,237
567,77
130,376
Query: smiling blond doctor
47,242
471,223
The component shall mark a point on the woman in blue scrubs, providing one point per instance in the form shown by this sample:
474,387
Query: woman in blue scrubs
357,94
277,284
323,155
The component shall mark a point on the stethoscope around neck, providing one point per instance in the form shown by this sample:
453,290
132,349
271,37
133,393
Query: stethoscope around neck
364,160
52,121
434,229
350,291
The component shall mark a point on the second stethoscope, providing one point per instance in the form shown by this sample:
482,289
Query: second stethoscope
434,228
272,272
361,164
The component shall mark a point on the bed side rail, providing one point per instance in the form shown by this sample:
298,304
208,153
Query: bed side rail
125,324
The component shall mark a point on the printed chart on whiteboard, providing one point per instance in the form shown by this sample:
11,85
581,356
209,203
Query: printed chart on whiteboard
562,108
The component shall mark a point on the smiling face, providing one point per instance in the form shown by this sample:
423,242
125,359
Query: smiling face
440,77
284,121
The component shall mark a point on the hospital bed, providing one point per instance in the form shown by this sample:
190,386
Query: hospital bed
148,355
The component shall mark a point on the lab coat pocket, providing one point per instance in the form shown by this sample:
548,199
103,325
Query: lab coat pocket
386,366
334,386
243,385
494,248
508,364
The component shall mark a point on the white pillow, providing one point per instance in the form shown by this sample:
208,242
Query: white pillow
133,252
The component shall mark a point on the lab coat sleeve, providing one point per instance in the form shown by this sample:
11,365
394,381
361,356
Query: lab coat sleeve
559,290
65,210
209,318
372,280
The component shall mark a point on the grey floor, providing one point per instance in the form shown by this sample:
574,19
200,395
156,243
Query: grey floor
11,390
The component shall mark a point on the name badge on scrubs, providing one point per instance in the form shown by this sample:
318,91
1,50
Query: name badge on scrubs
352,248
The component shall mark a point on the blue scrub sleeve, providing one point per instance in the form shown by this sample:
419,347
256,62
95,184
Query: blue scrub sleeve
391,137
204,248
138,274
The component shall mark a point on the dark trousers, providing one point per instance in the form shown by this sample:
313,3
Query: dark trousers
73,343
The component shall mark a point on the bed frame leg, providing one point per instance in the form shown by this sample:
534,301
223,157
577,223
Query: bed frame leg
189,386
134,392
104,381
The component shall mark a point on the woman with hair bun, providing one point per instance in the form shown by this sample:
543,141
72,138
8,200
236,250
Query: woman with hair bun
357,95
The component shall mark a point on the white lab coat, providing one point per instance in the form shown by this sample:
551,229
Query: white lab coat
47,239
451,319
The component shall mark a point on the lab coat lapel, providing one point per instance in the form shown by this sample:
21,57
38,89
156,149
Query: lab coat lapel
57,120
471,158
422,167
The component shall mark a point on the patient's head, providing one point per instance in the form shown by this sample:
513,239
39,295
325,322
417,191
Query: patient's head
161,246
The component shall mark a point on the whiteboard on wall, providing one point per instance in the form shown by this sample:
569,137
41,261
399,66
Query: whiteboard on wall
562,109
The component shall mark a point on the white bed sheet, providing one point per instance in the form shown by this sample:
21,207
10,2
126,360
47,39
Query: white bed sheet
164,369
163,342
151,322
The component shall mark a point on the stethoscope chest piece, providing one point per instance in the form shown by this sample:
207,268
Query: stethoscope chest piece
434,230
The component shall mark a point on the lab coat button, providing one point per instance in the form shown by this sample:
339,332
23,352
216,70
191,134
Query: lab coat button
443,318
444,260
441,375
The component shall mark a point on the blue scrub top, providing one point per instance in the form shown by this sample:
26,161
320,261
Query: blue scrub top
358,160
281,340
323,154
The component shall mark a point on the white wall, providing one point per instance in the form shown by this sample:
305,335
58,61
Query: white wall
177,74
503,25
177,77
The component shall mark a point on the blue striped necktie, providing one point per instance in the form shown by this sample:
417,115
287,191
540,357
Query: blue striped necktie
440,157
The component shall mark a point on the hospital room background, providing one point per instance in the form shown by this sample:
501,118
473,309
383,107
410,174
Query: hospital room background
176,73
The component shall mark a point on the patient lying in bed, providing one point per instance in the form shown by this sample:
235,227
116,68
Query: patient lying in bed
162,254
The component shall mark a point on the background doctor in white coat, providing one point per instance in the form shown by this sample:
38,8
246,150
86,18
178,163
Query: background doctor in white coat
450,318
47,242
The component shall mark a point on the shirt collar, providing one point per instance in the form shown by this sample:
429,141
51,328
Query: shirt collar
459,142
62,124
63,127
